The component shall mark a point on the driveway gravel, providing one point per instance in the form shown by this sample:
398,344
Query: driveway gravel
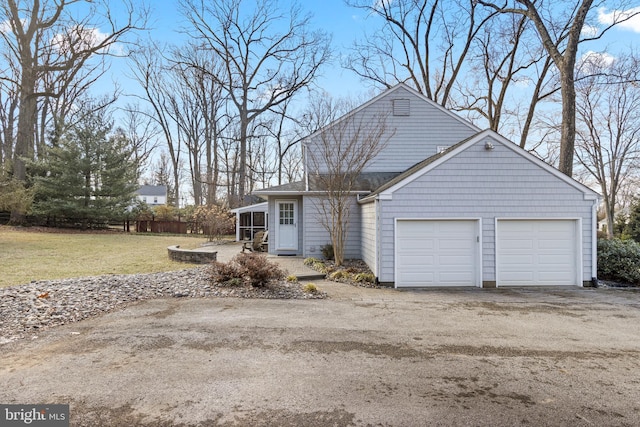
375,357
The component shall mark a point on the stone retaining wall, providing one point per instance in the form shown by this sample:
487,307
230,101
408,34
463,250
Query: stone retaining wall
193,256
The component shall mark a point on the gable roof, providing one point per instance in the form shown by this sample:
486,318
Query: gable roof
387,93
419,169
152,190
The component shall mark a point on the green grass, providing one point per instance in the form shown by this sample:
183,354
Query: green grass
31,255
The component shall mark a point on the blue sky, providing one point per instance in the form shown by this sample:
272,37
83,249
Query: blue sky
345,24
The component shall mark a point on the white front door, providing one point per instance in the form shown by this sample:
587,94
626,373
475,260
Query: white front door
287,225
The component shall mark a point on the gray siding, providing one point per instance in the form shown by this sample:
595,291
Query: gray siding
369,235
316,236
416,136
478,183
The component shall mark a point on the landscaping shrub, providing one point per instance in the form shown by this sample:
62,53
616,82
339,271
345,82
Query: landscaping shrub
225,273
310,261
310,288
619,260
251,268
257,269
292,279
365,278
337,275
327,251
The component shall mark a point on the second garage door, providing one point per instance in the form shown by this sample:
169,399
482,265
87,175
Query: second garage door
537,252
436,253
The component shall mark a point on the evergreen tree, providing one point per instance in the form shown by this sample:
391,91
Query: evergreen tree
633,223
88,178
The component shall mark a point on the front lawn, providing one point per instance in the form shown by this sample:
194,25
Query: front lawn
33,254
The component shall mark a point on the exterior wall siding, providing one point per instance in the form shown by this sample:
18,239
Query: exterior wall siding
487,184
416,136
316,236
369,235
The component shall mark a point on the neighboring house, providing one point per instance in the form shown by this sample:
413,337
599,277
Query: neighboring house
475,210
152,195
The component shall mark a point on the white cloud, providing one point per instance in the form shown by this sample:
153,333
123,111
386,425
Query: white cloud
631,24
590,31
82,39
592,61
5,26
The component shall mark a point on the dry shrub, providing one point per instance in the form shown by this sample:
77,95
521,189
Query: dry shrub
221,272
258,270
251,268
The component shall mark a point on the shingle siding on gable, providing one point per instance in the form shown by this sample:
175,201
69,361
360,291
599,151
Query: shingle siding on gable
417,136
478,183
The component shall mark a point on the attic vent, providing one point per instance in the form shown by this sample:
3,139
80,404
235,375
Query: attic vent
401,107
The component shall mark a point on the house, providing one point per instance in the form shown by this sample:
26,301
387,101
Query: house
446,204
152,195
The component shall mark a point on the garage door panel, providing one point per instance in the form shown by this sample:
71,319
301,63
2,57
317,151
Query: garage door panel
561,260
417,277
454,244
516,260
454,260
536,252
436,253
415,258
517,244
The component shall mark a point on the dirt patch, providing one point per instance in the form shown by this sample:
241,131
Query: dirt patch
559,309
383,350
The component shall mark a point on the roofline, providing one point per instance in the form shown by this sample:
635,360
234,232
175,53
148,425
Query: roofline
304,193
386,193
245,208
384,94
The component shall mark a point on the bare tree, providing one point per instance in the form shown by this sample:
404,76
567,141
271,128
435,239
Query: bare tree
51,27
269,56
608,132
337,155
142,132
9,102
560,30
196,68
149,69
425,42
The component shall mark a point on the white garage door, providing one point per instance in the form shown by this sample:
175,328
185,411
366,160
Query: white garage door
539,252
436,253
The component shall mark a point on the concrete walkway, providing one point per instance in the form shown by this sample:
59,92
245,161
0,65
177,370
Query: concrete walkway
292,264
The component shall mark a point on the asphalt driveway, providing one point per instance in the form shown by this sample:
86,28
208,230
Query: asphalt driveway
363,357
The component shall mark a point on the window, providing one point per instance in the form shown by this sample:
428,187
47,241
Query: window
155,199
286,213
401,107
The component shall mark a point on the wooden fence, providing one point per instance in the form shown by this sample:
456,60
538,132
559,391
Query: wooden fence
175,227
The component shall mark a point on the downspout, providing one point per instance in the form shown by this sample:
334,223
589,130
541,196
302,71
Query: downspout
594,243
377,248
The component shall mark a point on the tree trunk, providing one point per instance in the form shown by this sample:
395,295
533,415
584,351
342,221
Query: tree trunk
568,129
242,167
25,138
